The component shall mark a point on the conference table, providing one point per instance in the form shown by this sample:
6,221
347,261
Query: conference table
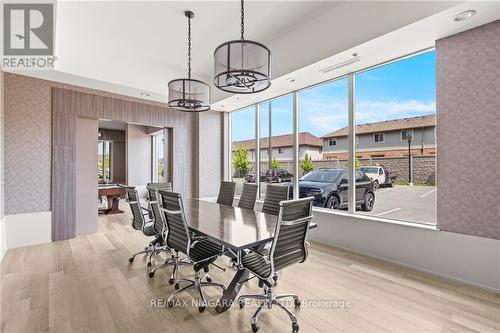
235,228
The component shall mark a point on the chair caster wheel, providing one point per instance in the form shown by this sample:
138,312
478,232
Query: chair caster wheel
171,281
176,287
201,309
297,303
131,260
151,274
242,305
295,327
255,327
209,279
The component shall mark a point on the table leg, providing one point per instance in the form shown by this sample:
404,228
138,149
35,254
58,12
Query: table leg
232,290
114,204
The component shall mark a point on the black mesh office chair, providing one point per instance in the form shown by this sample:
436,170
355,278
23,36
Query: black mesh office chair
226,193
160,227
199,250
288,248
248,196
139,223
274,195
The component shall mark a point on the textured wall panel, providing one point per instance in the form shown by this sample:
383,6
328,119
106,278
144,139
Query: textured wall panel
468,128
28,126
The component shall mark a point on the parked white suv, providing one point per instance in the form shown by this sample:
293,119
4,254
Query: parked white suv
380,176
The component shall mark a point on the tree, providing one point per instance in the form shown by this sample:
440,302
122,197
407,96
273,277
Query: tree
275,164
357,163
306,164
241,162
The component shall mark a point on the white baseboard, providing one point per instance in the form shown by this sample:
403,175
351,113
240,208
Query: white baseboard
27,229
3,242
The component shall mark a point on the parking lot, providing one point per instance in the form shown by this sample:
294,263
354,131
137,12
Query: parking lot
406,203
401,202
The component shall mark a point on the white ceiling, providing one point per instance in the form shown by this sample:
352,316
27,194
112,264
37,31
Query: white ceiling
137,47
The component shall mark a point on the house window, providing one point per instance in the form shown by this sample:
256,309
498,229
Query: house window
280,150
378,137
332,142
405,134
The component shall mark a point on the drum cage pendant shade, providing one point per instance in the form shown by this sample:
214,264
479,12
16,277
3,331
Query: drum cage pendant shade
189,95
242,66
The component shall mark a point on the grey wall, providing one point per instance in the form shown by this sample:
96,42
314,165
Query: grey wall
138,155
421,138
208,171
468,124
28,152
2,197
3,240
86,176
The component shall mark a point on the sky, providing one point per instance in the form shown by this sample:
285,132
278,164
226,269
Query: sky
405,88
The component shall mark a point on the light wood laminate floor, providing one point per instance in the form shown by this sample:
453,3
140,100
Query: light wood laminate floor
87,285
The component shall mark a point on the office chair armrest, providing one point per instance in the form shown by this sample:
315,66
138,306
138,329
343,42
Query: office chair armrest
196,239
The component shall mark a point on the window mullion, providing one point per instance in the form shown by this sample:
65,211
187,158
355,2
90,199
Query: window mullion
351,146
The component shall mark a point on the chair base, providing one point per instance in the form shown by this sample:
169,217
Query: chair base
174,261
153,248
196,284
268,300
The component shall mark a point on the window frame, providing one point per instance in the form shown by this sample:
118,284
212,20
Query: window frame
401,134
374,135
352,143
330,142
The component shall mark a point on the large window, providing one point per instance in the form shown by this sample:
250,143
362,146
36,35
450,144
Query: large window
391,158
396,105
104,151
323,116
243,147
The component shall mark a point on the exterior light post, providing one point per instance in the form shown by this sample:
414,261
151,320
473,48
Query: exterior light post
409,138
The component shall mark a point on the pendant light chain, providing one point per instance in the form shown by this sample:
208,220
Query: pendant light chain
189,47
242,19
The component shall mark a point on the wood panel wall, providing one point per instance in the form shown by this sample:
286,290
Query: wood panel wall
67,106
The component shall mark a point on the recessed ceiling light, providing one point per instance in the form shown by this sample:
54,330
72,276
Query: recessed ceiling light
465,15
145,94
290,80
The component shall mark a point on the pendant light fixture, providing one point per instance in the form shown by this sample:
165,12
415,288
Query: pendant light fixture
189,95
242,66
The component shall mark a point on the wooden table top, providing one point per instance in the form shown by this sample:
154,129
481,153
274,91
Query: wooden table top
235,227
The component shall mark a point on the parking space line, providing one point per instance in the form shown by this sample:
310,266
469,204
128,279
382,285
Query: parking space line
387,189
389,211
426,194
